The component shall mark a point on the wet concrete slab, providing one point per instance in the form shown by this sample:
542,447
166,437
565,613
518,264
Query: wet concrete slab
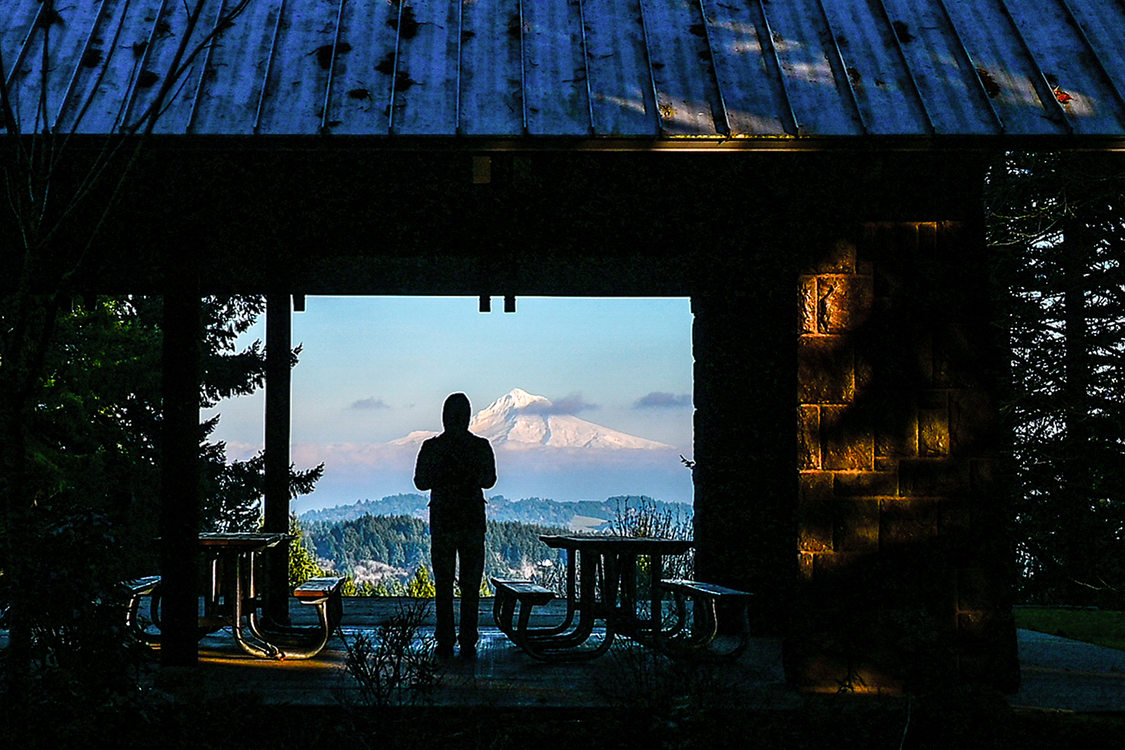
1062,674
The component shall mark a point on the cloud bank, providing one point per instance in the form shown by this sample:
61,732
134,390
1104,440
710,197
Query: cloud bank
661,400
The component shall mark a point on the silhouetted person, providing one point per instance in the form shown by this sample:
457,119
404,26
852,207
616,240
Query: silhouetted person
455,467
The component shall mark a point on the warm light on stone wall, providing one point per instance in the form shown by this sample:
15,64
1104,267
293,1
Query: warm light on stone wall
895,446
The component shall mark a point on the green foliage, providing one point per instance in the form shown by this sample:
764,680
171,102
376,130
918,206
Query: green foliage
302,563
403,543
84,513
1099,626
421,584
1057,231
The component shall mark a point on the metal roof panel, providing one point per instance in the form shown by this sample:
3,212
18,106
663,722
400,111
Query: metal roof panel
555,82
818,93
359,103
123,40
1005,70
293,99
236,70
491,93
1069,65
688,101
426,80
955,100
180,102
748,76
876,70
620,80
64,35
712,70
1104,26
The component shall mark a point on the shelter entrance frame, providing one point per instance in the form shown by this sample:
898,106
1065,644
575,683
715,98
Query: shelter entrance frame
737,233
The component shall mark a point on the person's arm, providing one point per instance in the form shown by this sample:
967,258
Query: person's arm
424,468
488,466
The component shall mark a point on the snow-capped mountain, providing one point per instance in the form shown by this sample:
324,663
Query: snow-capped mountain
521,420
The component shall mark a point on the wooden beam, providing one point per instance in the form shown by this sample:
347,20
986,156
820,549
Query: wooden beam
180,512
279,340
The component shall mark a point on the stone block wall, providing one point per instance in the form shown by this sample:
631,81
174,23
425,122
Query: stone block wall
903,559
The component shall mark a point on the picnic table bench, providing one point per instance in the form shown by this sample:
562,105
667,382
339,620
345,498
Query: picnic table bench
696,640
277,641
324,593
527,595
134,590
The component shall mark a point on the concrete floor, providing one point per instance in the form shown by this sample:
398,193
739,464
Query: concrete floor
501,676
1058,674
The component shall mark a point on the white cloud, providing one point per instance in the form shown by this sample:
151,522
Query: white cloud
369,403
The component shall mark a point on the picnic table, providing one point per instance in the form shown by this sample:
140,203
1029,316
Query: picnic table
604,583
231,599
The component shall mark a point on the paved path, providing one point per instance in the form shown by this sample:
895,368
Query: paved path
1068,675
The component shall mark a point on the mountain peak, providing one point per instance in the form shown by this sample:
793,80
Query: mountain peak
517,398
521,420
524,420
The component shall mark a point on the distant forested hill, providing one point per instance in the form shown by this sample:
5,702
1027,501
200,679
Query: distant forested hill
380,548
592,515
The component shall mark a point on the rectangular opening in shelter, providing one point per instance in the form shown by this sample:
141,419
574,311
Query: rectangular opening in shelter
587,404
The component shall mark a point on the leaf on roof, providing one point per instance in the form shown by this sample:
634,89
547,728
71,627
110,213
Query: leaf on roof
991,87
91,57
324,53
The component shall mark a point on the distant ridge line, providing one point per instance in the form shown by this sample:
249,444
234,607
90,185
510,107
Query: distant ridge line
576,514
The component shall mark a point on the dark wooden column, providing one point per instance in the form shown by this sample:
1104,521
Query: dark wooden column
745,475
179,520
279,341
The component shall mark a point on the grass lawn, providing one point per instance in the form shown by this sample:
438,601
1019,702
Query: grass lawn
1101,627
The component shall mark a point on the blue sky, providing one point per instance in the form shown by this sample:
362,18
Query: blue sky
373,369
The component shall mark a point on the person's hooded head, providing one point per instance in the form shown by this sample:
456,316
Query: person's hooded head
456,413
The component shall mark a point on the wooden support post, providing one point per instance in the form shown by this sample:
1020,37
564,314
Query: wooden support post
180,512
279,340
745,474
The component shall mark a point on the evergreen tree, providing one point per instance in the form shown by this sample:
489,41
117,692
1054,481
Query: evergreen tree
1057,229
421,585
302,562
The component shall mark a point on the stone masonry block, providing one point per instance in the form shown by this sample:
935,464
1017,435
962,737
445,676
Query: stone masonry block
933,432
896,431
808,438
933,477
843,302
849,442
905,521
976,590
982,476
839,257
971,419
807,305
805,565
864,374
826,371
814,512
856,524
830,565
865,483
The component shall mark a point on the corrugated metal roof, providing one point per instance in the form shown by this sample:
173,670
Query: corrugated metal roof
729,71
